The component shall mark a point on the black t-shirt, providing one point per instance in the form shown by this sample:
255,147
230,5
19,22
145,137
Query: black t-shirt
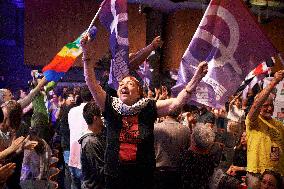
240,160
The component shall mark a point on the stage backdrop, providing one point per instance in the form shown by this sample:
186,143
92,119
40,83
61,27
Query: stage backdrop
49,25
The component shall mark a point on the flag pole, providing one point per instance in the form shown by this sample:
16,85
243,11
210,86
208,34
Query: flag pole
44,80
97,14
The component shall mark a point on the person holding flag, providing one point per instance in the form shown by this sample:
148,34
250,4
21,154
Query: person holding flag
265,135
130,121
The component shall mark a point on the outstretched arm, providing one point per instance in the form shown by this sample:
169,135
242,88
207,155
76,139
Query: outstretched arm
141,55
97,91
168,105
29,98
263,95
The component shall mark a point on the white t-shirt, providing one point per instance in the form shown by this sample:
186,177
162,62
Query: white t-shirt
78,127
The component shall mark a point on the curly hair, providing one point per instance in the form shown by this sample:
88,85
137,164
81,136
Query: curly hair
14,113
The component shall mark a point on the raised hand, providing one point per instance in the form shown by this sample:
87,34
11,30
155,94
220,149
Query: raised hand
278,76
85,44
29,144
157,93
202,69
157,42
17,143
164,93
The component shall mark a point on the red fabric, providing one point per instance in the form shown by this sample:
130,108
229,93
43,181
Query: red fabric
129,138
60,64
243,187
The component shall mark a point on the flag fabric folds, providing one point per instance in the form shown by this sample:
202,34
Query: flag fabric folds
233,44
255,76
65,58
114,17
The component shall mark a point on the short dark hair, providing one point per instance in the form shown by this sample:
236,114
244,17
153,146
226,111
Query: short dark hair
86,94
90,110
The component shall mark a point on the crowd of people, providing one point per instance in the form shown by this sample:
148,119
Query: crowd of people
85,137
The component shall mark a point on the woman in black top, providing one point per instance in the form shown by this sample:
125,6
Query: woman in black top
129,119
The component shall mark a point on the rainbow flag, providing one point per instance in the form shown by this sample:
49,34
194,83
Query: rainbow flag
65,58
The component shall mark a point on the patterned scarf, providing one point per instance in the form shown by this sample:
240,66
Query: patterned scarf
126,110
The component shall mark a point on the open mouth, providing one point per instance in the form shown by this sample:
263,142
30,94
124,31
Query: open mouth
124,91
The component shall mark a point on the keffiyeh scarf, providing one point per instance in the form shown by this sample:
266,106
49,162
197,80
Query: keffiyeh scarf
126,110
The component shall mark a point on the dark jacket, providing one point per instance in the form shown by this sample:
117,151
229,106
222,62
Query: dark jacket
92,160
196,169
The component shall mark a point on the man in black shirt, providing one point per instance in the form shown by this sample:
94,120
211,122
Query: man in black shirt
93,144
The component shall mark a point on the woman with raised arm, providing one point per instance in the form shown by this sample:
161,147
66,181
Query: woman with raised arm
130,155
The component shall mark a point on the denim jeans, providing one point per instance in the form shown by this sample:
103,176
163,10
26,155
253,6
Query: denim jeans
76,174
66,155
76,177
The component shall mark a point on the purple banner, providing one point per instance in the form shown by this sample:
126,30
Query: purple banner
114,17
233,44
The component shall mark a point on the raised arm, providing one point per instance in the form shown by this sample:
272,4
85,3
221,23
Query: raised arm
234,99
141,55
168,105
29,98
97,91
263,95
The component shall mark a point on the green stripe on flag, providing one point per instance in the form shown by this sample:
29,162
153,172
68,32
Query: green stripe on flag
72,45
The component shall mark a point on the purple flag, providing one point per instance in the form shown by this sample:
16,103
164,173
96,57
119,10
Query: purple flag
114,17
233,44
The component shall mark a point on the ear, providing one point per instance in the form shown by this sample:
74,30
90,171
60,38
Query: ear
95,118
